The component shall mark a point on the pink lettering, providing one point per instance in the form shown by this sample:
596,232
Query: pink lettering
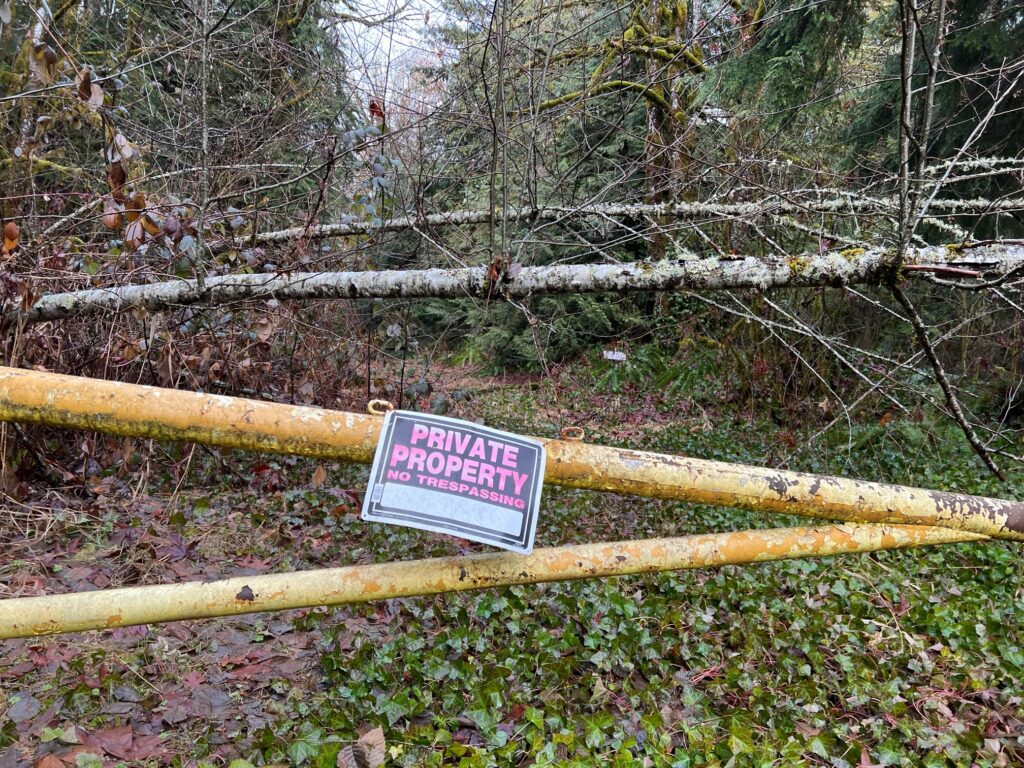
453,465
419,431
503,475
436,439
399,454
416,458
486,475
477,451
510,457
435,463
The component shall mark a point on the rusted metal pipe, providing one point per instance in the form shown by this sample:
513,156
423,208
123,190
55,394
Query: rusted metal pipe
76,612
166,414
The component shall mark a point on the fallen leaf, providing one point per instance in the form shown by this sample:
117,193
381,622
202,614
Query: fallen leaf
210,702
145,747
352,756
319,476
806,729
126,693
116,742
375,747
24,708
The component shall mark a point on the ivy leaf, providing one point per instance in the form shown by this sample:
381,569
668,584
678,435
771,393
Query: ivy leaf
817,746
306,748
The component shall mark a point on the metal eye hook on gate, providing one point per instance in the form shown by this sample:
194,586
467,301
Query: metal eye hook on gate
572,434
379,407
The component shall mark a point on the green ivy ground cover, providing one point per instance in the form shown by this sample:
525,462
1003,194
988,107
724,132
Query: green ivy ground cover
896,658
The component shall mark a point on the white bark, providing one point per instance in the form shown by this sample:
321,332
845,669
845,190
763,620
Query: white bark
837,205
834,268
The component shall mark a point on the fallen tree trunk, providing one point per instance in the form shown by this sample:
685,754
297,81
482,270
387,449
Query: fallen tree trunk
833,268
654,212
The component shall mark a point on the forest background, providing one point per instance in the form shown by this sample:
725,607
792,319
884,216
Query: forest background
836,185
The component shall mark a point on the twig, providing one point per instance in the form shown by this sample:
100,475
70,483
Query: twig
940,375
939,270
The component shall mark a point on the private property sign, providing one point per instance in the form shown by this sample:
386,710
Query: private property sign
455,477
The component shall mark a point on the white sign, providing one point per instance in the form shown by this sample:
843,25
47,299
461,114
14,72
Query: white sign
456,477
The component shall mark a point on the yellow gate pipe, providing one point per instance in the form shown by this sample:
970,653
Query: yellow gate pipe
76,612
166,414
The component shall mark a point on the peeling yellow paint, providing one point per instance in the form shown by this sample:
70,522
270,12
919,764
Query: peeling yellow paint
150,412
710,482
54,614
130,410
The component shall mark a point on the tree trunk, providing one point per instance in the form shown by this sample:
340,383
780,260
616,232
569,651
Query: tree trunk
831,268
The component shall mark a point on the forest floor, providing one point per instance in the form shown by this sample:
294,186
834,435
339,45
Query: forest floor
895,658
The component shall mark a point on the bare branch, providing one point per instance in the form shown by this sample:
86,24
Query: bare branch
940,375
